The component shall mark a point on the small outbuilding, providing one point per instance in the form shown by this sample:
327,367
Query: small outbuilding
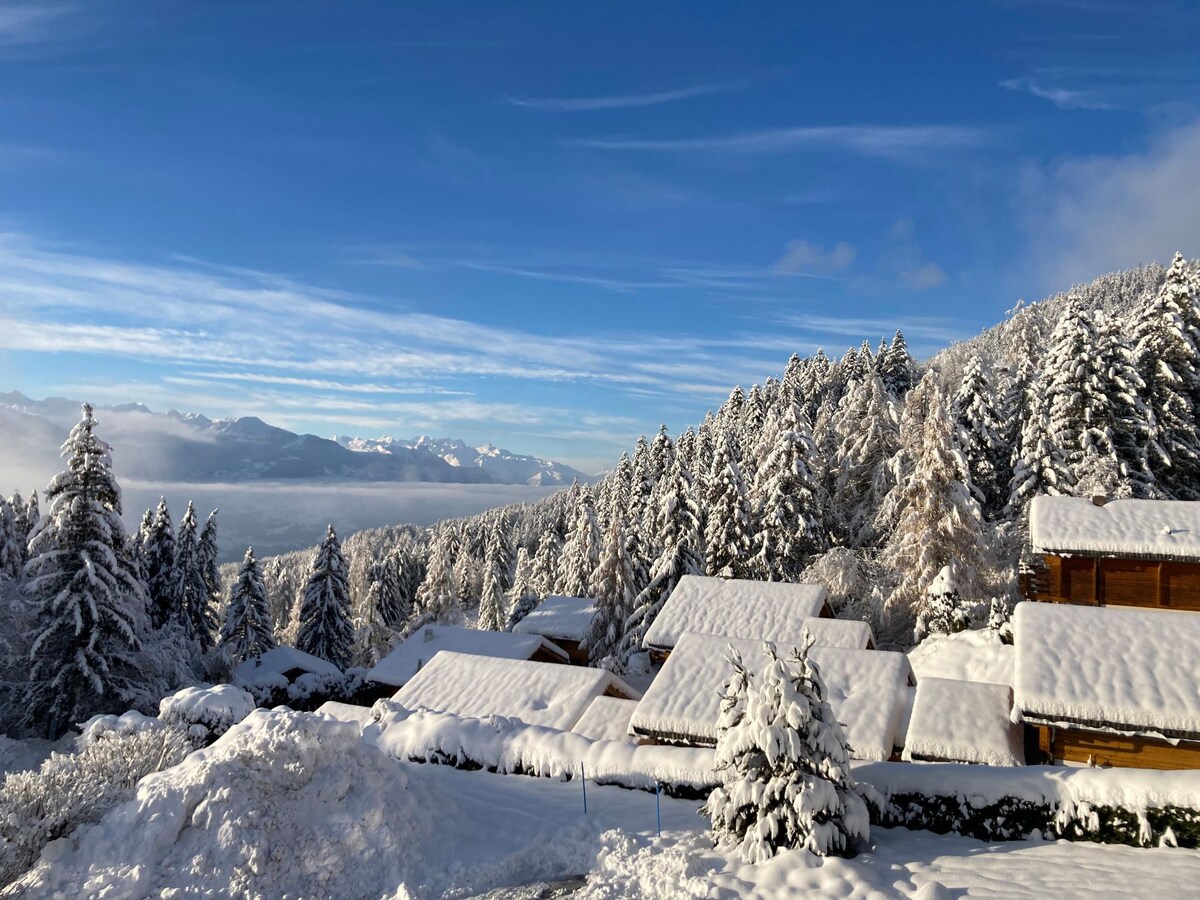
1109,686
867,689
760,610
563,620
963,721
607,719
281,666
408,657
1117,552
535,693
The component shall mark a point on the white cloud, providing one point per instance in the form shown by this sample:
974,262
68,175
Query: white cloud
892,141
802,256
924,277
624,101
1088,216
1061,97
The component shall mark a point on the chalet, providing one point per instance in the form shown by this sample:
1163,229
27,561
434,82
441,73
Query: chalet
563,620
607,719
759,610
407,658
867,689
1108,686
963,721
281,666
535,693
1116,553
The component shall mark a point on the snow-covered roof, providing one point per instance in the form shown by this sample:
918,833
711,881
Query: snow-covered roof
1154,528
607,719
963,721
535,693
411,654
347,712
277,661
559,618
732,607
866,688
1118,668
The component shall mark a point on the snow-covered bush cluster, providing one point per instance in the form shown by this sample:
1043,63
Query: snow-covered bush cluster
73,789
206,712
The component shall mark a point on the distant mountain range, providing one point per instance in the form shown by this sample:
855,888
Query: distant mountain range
184,447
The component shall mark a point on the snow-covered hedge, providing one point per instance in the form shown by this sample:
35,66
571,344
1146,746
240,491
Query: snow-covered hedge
1120,806
207,711
508,746
72,789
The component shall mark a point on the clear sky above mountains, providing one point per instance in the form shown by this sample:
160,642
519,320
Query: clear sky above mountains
553,226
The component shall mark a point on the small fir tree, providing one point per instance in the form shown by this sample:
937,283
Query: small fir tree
784,765
158,556
326,628
248,630
194,613
727,536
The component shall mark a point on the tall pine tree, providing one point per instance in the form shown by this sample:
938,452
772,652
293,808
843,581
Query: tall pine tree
247,630
326,627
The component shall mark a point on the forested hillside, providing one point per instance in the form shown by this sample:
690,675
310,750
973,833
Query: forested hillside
870,473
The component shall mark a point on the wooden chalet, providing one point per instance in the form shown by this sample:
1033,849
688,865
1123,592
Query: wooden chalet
564,621
1115,553
1108,686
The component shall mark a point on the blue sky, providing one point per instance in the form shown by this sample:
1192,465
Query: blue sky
554,226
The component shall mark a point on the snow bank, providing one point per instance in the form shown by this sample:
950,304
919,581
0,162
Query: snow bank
502,745
559,618
535,693
347,712
1123,668
731,607
963,721
607,719
216,708
419,648
977,655
285,804
866,689
1168,529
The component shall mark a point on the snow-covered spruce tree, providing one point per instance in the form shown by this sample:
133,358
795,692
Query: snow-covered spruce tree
896,367
137,543
1127,418
523,597
90,606
615,586
865,426
393,608
326,628
937,519
372,637
437,598
11,557
581,552
543,574
641,485
1169,364
1077,403
977,419
789,507
248,631
727,536
210,553
662,454
784,766
1040,466
495,575
944,611
195,613
677,531
158,558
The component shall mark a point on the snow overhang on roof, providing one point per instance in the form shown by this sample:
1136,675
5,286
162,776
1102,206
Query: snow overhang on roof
559,618
407,658
1153,529
1120,669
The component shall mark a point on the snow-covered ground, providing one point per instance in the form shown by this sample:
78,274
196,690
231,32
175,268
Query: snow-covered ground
296,804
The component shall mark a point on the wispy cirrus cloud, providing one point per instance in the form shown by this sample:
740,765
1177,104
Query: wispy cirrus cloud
1063,98
625,101
25,24
892,141
802,256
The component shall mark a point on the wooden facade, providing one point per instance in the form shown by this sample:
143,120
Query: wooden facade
1056,744
1116,581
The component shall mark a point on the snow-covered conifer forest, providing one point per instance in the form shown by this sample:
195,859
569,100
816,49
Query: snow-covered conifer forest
901,485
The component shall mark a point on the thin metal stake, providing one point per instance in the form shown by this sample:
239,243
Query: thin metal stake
658,806
583,780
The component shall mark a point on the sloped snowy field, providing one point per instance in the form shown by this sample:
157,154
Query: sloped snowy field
296,805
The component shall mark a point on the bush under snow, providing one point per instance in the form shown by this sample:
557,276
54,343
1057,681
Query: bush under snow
215,709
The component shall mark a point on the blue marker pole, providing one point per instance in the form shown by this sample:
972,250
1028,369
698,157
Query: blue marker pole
583,780
658,806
